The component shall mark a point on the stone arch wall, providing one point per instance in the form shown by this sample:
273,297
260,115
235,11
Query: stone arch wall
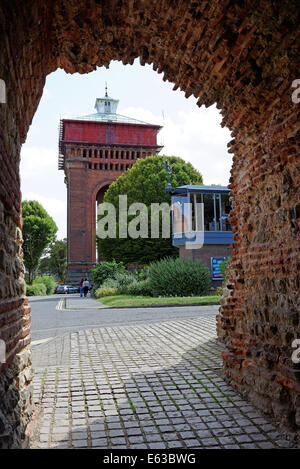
242,55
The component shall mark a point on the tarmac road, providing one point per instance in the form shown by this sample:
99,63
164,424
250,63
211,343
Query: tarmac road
50,318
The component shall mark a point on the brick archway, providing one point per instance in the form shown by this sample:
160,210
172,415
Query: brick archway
244,56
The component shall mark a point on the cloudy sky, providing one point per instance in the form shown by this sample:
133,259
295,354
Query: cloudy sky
189,132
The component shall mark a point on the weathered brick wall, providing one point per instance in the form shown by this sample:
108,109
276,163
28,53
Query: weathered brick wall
261,317
241,55
23,71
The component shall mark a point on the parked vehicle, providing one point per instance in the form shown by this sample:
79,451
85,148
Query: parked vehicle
61,289
72,289
65,289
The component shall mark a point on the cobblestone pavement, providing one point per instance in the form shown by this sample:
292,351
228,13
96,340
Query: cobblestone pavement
151,386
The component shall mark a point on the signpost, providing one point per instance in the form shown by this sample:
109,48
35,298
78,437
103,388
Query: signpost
215,267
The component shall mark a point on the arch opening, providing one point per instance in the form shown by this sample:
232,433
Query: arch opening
218,53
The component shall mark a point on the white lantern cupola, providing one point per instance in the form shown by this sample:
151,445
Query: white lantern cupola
106,105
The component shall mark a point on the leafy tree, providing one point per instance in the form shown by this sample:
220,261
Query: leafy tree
39,230
55,261
145,182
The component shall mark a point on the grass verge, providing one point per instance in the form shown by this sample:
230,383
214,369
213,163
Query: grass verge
130,300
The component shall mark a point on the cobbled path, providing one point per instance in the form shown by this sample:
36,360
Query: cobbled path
150,386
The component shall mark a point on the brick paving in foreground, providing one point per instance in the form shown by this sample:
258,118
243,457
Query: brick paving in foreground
145,386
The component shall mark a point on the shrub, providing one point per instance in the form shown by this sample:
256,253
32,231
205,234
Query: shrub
123,280
110,283
105,270
106,291
48,281
179,277
37,289
142,274
141,288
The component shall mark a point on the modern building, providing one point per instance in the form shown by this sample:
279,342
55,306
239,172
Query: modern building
93,151
200,225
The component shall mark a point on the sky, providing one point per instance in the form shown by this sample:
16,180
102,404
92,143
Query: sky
193,133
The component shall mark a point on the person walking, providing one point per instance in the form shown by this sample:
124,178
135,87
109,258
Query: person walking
86,286
81,288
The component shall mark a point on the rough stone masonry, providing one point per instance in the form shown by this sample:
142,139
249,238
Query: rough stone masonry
244,56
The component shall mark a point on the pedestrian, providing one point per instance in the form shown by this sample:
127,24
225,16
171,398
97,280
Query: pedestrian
81,288
86,286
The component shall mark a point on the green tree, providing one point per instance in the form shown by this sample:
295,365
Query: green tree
55,261
145,182
39,230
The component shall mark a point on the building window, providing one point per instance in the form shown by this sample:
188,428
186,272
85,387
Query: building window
225,210
216,209
209,212
84,153
95,153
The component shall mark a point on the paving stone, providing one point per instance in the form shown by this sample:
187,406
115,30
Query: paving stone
99,442
118,441
154,437
79,435
153,382
157,445
133,431
242,438
80,444
136,439
175,444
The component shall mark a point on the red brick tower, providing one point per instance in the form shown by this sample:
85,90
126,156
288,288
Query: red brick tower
93,151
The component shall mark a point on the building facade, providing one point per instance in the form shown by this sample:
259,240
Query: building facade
201,228
94,151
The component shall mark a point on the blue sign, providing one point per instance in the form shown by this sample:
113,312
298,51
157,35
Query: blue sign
215,267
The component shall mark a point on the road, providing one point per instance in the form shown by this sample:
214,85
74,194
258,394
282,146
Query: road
50,318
